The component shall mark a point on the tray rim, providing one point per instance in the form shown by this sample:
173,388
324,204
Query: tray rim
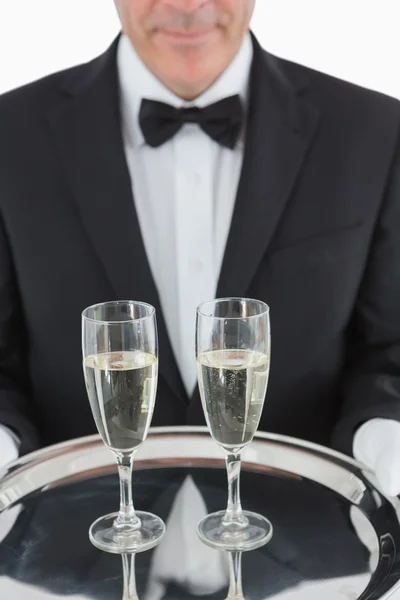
359,477
184,430
94,443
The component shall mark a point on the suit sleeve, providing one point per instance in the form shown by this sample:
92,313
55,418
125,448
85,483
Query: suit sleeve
15,402
371,380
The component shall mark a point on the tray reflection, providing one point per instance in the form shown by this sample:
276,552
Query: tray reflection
314,545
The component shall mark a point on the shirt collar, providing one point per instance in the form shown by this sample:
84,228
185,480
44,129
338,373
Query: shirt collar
137,82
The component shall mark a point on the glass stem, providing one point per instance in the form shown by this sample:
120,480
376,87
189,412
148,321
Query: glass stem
234,511
128,568
235,576
127,521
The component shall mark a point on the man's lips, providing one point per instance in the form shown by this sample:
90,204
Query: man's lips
188,36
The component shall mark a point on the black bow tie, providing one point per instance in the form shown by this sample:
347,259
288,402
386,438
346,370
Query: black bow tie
222,121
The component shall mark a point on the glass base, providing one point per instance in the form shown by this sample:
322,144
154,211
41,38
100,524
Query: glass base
106,537
254,532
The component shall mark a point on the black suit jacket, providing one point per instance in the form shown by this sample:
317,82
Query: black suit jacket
315,233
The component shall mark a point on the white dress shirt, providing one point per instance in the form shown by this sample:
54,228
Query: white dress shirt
184,193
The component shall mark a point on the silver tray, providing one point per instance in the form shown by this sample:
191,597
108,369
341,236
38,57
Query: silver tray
290,472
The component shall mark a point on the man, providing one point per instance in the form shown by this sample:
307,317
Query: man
186,163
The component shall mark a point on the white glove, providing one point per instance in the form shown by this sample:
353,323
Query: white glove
8,453
8,447
377,445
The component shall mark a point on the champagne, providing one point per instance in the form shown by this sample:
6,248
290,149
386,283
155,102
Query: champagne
122,388
232,388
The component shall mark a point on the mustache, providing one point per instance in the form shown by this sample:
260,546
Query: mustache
203,17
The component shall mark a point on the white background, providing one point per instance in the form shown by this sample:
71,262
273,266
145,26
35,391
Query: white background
357,40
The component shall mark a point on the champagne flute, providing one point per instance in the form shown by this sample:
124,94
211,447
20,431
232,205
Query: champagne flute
120,363
233,356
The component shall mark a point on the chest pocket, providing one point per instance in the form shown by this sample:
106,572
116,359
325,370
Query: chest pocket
322,249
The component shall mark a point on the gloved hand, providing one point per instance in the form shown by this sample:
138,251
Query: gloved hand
8,453
8,447
377,445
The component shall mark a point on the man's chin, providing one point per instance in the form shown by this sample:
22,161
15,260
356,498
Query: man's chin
188,88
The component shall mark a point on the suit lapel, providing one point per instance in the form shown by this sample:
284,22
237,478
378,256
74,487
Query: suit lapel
280,129
87,131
